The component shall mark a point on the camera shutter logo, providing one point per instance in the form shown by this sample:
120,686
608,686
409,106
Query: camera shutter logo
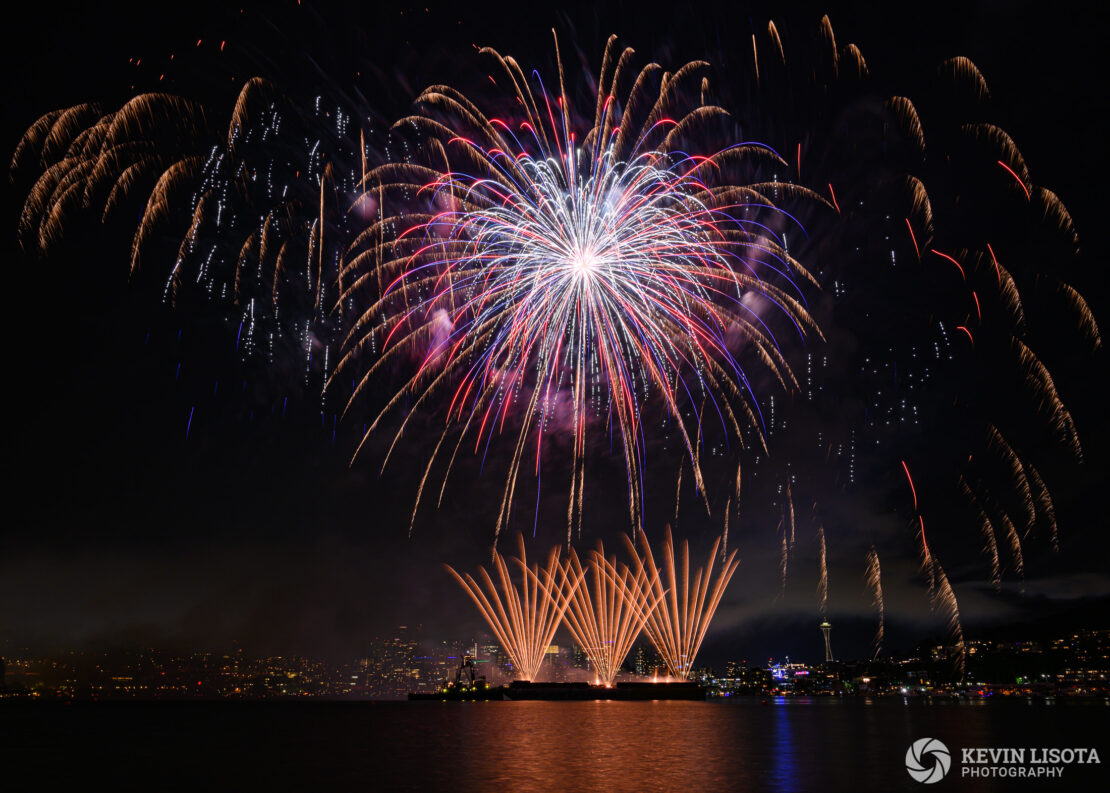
928,760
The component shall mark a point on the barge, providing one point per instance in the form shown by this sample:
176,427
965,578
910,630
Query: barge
520,690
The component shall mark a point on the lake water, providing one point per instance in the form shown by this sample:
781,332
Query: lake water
731,745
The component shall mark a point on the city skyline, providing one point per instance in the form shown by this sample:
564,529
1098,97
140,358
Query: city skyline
1062,663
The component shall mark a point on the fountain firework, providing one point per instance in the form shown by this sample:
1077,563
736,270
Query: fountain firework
677,624
608,610
525,620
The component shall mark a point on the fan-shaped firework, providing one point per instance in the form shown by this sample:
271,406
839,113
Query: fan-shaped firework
608,610
677,625
525,620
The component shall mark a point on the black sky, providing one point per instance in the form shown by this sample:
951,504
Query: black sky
254,530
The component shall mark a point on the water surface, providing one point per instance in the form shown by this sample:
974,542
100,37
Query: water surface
737,745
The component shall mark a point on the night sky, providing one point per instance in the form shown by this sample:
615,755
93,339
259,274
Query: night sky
162,493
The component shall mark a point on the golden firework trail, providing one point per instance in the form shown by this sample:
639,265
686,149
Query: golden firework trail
244,204
921,211
873,578
1057,216
1009,294
790,512
1017,473
1085,319
1040,382
724,534
944,600
678,489
1047,509
963,72
90,156
523,617
906,114
1017,553
784,556
608,610
823,578
677,625
990,539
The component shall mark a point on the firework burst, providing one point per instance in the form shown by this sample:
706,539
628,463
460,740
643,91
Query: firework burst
247,216
551,280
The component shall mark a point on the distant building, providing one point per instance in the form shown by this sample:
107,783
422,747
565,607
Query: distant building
826,628
390,667
645,661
